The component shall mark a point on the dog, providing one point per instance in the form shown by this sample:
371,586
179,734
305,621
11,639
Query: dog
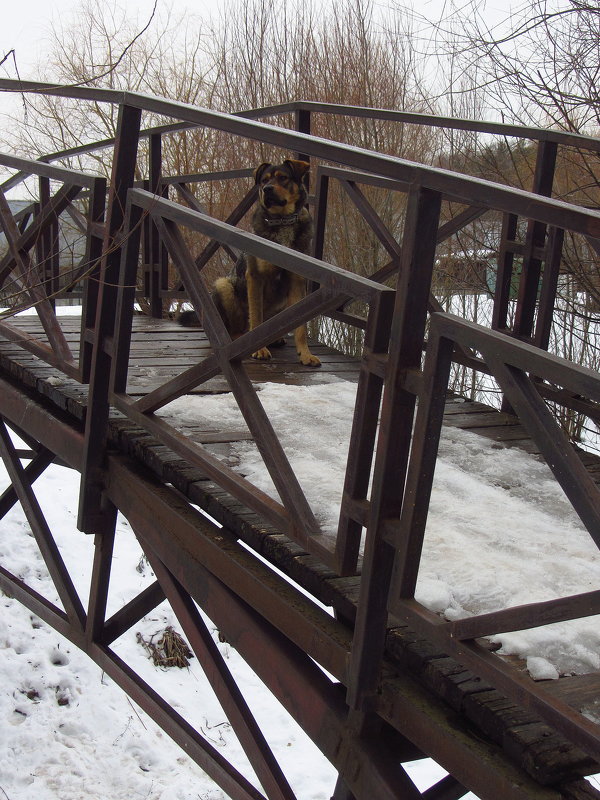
256,290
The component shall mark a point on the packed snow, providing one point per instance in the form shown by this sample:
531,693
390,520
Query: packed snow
68,732
500,531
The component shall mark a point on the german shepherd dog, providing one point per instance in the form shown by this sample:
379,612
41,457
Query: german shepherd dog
256,289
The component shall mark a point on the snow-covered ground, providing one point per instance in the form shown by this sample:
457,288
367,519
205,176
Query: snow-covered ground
67,732
500,533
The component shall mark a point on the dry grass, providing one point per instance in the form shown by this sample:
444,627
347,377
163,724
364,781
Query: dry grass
170,650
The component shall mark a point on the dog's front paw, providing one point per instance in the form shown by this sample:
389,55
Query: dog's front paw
264,354
309,360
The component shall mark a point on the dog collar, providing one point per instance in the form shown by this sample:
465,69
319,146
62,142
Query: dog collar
275,222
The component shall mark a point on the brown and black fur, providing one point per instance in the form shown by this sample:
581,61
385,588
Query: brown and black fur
256,289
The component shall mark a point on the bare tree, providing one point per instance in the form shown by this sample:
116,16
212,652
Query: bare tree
538,66
258,53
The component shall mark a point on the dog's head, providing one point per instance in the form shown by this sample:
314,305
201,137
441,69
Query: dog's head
281,187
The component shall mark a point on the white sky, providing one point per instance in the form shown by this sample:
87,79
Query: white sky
27,32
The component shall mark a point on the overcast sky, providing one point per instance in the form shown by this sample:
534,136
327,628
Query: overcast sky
27,33
25,26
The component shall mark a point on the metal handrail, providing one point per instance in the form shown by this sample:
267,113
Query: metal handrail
461,188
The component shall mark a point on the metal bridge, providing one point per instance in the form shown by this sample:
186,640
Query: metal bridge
401,683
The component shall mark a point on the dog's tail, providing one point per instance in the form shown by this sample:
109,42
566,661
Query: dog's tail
189,319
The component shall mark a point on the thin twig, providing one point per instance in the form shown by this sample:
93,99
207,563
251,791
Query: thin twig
112,67
135,711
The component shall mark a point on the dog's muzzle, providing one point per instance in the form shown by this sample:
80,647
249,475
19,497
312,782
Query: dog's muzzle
271,198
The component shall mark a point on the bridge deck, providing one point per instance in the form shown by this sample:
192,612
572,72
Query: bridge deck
161,349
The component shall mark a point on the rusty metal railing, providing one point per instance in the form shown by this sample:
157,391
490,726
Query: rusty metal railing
521,369
30,269
294,516
388,514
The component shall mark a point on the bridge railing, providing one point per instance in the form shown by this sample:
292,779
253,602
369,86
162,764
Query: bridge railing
31,274
522,370
533,314
293,515
391,462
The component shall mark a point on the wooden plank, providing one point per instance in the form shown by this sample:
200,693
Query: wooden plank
459,406
534,745
578,691
481,420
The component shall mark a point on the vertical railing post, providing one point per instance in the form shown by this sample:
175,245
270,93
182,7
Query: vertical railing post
393,445
302,120
146,250
506,257
534,245
91,285
536,291
543,324
410,532
47,253
154,261
320,214
126,299
364,432
533,252
95,516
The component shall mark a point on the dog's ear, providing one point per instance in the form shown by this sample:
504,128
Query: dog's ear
258,172
298,168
